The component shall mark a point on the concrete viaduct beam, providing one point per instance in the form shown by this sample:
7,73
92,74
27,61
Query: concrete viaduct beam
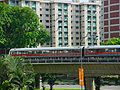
91,70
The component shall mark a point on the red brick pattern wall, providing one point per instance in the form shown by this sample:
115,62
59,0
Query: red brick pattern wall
105,29
106,9
114,1
105,36
114,28
115,7
114,14
114,21
106,22
112,35
106,3
105,16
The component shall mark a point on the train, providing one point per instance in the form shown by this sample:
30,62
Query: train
90,51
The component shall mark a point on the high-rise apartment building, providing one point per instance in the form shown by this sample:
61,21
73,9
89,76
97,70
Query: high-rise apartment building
69,23
110,19
34,4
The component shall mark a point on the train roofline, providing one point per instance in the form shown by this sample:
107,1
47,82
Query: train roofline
63,48
103,46
45,48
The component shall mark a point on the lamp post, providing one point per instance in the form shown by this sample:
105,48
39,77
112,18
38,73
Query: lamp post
53,28
57,29
82,49
81,70
60,20
94,38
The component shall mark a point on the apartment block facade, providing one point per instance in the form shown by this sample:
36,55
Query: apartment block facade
69,23
110,19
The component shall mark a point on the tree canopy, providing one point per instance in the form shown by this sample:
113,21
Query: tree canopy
112,41
15,74
20,27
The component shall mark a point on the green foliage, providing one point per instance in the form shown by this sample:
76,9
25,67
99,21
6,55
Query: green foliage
113,41
20,75
3,71
20,27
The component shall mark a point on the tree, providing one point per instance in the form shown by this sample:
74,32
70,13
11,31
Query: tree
113,41
44,78
3,72
20,74
20,27
51,80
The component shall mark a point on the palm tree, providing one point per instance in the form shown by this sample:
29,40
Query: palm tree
44,78
51,80
21,75
3,71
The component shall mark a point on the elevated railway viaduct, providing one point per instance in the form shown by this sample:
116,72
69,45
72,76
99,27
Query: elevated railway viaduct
93,67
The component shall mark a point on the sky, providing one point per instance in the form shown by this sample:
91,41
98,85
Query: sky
83,0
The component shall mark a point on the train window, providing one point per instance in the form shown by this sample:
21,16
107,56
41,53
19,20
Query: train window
45,51
66,51
13,52
117,49
19,52
110,50
38,52
30,52
106,50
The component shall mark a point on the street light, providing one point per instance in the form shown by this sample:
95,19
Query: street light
82,38
82,48
94,37
81,70
53,26
58,18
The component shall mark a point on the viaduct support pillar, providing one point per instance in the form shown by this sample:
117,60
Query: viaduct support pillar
97,83
89,83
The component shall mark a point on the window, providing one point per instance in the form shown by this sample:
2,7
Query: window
40,9
26,3
47,9
40,20
65,23
40,14
77,32
59,5
77,27
77,21
33,5
77,38
76,11
77,43
47,26
76,6
47,21
77,16
47,15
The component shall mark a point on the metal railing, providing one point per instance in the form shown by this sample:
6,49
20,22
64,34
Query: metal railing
67,60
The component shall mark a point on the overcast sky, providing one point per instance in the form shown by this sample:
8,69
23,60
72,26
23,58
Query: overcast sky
83,0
